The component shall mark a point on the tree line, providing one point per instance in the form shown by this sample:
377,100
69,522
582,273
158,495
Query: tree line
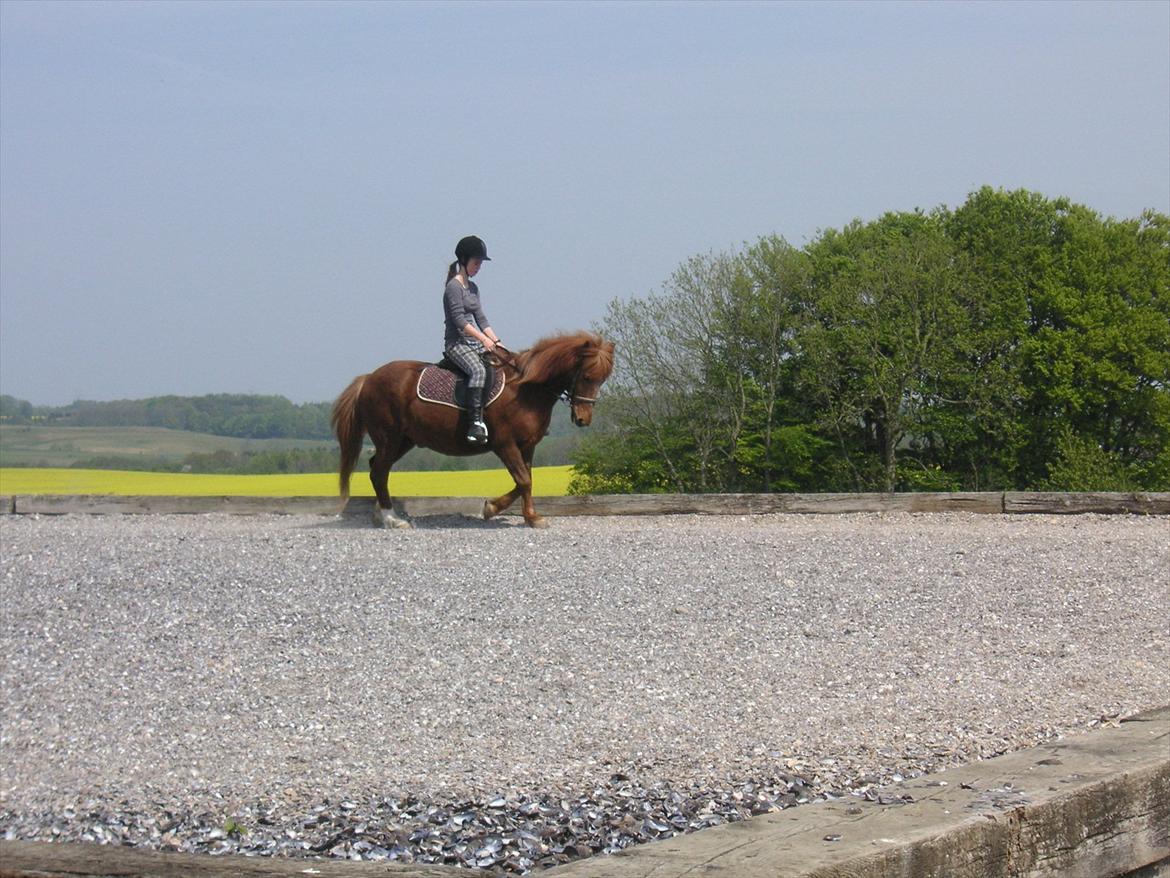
1016,342
248,416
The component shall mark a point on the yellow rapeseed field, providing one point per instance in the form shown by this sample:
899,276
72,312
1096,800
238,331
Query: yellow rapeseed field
548,481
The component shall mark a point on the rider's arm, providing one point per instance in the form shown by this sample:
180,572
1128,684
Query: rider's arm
487,339
486,335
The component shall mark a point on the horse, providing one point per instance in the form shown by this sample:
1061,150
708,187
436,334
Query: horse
385,405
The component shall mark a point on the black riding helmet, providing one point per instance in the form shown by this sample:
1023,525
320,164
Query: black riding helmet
471,247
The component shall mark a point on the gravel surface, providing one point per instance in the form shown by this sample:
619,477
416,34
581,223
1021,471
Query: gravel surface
484,693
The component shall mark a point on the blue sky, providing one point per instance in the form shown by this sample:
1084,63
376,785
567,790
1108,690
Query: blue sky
263,197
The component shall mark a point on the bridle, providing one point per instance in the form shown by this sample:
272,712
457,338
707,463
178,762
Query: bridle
572,397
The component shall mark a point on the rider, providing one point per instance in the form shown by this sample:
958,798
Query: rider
468,333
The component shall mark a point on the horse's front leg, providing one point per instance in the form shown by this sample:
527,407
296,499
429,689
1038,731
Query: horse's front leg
492,508
519,466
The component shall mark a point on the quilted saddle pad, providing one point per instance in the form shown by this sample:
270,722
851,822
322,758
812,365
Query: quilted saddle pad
442,386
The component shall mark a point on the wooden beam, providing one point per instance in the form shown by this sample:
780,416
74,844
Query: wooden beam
989,502
1062,503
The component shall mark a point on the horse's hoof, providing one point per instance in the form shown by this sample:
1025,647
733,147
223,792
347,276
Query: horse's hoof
489,510
537,521
387,518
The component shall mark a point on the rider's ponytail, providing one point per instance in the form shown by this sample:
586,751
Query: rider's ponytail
452,270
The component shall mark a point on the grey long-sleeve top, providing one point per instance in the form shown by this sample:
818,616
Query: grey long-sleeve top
461,307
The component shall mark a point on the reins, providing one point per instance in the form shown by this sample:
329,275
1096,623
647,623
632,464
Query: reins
568,395
505,357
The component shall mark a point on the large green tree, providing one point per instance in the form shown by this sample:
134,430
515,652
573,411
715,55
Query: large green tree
890,333
1079,308
1015,342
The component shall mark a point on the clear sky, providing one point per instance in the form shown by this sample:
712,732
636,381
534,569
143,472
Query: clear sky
262,197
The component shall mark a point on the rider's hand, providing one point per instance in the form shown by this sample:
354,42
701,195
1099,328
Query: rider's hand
488,344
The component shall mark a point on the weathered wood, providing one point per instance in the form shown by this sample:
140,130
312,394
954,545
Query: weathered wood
660,504
99,504
756,504
1060,503
614,504
7,504
972,501
1160,869
60,860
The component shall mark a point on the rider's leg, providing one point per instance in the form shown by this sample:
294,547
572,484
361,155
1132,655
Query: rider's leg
477,431
467,358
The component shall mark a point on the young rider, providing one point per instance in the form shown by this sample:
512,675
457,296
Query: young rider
468,333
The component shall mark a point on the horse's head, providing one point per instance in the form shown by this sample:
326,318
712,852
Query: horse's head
595,365
575,365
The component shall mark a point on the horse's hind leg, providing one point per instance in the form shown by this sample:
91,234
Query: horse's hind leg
385,456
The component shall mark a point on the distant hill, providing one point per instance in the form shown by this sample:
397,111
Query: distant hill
223,433
242,416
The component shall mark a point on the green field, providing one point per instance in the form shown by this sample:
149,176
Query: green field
158,448
27,445
548,481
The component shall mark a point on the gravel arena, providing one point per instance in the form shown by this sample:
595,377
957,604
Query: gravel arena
486,694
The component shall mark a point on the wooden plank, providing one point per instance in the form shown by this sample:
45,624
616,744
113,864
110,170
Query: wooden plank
660,504
1060,503
24,859
971,501
757,504
7,504
103,504
611,504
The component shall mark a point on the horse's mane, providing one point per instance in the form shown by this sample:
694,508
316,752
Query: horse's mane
558,356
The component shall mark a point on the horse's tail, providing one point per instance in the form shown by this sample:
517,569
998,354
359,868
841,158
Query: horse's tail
348,427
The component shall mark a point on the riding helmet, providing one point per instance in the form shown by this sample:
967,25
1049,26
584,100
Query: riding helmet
471,247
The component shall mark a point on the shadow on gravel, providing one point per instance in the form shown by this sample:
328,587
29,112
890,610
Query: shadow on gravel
463,522
424,522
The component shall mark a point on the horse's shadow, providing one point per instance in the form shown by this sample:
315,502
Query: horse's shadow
464,522
422,522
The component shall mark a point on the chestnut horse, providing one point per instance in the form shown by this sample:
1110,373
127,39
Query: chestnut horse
385,405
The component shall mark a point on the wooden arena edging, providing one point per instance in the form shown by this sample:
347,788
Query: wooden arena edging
999,502
1096,804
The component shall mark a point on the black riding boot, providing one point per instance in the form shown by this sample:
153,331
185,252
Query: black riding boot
477,432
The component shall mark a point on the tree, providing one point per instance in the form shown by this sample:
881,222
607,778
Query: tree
1080,310
777,445
889,332
658,395
1016,342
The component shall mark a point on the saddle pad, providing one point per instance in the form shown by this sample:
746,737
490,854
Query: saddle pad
443,386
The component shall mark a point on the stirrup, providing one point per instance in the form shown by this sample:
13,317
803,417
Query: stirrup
477,433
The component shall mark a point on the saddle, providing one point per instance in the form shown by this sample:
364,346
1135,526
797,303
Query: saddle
445,384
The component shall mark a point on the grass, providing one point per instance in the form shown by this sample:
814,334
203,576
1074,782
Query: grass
31,445
548,481
55,446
